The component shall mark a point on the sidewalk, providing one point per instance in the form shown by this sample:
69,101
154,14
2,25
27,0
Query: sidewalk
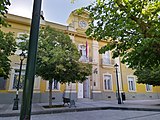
85,105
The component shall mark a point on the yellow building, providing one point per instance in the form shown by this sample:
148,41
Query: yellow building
101,85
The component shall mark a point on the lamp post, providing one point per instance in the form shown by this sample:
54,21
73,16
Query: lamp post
15,105
118,95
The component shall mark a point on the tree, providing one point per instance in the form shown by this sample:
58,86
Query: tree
132,30
58,58
7,42
149,75
24,43
3,10
7,48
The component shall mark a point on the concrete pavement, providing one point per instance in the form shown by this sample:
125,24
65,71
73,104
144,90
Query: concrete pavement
96,115
85,105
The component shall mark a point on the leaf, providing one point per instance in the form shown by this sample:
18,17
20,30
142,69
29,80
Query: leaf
7,48
130,28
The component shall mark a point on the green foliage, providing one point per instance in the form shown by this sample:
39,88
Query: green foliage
58,58
24,43
149,75
146,55
3,10
131,28
2,73
7,48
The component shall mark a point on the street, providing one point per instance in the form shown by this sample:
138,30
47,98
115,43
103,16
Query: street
96,115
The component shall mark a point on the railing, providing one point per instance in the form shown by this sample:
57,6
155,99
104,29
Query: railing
107,62
86,59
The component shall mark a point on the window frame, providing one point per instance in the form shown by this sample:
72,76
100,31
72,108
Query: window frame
85,57
134,83
47,86
16,74
12,75
107,74
108,54
150,88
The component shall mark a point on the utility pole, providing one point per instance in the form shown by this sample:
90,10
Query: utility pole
31,61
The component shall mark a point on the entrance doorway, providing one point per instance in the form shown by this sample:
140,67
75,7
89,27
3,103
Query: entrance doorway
84,89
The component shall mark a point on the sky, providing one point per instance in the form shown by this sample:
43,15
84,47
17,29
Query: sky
56,11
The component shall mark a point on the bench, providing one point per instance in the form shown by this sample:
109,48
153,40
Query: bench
53,98
66,100
69,102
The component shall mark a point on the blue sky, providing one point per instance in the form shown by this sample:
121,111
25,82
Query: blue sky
54,10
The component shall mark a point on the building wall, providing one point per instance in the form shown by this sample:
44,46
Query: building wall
96,80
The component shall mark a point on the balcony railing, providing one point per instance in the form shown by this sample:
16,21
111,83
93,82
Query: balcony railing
86,59
107,62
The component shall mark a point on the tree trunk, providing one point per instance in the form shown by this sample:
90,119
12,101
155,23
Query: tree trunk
50,93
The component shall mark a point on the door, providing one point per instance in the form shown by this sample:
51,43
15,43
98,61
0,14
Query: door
80,90
86,88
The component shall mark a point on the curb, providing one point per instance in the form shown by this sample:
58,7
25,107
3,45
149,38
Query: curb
79,110
136,109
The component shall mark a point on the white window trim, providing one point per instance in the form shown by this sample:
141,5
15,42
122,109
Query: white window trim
47,85
37,81
12,79
111,82
134,83
103,55
149,90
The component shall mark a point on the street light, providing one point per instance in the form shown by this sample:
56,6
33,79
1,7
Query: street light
15,105
118,95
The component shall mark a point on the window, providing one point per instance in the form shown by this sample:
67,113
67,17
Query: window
70,86
148,88
107,82
83,52
106,58
131,84
16,77
55,85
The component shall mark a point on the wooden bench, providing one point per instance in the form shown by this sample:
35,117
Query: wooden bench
53,98
69,102
66,100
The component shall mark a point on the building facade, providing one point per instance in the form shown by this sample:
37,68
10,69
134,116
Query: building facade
101,85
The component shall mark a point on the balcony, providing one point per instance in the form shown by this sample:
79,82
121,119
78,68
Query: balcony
86,59
107,63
